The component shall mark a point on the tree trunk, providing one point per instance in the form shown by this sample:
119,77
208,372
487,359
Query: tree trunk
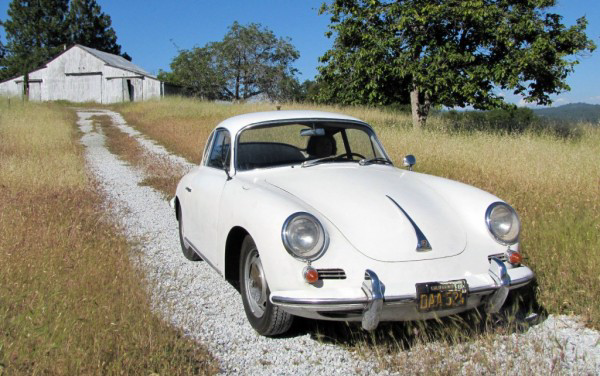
419,105
26,86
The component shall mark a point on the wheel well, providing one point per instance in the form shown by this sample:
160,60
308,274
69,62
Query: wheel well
233,246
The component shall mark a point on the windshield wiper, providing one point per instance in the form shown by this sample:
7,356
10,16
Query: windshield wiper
317,161
377,160
337,158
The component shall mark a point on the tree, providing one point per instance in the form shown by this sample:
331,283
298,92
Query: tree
35,31
89,26
2,54
198,73
450,52
250,60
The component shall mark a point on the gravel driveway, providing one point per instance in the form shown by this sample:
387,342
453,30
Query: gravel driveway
195,298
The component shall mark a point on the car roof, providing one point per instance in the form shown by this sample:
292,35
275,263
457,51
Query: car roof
236,123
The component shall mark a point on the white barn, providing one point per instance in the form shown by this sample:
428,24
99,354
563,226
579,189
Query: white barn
83,74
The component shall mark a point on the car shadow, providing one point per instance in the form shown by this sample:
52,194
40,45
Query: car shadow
521,311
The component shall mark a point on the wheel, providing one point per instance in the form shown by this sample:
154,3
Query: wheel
266,318
188,252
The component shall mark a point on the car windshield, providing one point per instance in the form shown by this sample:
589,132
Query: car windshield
307,143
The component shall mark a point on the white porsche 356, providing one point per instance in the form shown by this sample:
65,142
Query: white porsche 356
305,213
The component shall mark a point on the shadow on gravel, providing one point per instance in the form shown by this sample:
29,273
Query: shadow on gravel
520,312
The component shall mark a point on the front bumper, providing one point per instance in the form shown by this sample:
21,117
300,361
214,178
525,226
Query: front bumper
370,305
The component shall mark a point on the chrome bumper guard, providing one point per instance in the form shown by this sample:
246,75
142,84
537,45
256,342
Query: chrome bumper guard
374,290
499,274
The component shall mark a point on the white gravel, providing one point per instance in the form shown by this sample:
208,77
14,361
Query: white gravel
195,298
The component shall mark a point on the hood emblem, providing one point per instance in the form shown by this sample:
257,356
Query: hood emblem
423,244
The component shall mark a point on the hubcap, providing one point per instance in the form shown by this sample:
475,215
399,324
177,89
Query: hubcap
255,284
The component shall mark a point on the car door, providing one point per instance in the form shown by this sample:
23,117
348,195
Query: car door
206,188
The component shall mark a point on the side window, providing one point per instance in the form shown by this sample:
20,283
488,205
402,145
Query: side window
220,151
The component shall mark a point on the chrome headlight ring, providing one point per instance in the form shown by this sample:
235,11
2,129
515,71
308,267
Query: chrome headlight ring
304,237
503,223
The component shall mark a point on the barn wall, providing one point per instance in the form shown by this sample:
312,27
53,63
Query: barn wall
117,89
73,76
151,88
11,88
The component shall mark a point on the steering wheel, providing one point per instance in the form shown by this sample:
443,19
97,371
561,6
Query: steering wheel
352,154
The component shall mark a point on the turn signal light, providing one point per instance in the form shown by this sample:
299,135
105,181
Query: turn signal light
515,258
310,274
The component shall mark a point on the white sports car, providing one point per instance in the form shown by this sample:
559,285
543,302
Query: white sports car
306,214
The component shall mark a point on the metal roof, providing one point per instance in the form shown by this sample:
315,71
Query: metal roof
115,61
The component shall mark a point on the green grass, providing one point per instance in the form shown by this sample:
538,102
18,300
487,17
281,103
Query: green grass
553,183
70,300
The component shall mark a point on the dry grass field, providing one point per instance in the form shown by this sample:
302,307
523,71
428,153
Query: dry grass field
71,301
553,183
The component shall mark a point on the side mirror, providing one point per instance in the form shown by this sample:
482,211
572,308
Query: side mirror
409,161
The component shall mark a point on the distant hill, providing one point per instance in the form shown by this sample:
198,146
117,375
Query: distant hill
573,112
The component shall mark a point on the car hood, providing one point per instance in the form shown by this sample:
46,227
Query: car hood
378,209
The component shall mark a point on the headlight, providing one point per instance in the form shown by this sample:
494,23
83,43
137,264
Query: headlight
304,237
503,223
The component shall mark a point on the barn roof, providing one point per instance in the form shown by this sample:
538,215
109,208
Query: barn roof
115,61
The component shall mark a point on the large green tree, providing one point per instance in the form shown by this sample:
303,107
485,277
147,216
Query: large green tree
37,30
89,26
448,52
250,60
198,73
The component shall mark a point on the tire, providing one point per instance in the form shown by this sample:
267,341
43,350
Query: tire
266,318
188,252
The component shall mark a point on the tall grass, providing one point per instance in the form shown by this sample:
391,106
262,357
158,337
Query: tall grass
553,183
70,300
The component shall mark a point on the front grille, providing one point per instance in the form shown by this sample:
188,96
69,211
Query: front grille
500,256
331,273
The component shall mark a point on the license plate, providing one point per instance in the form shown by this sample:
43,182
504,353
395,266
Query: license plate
437,296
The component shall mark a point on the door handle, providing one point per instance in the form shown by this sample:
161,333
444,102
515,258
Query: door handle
188,189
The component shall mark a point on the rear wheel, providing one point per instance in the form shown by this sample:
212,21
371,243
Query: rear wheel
266,318
187,251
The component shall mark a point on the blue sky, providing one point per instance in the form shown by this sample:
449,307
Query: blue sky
150,30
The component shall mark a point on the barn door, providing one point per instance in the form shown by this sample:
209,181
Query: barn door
35,91
130,91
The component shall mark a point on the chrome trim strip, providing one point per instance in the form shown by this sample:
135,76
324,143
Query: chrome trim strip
521,281
316,301
482,289
422,242
202,256
400,299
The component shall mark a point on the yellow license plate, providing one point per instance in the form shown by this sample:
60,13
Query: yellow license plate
437,296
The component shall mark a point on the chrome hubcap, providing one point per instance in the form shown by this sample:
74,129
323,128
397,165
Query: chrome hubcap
255,284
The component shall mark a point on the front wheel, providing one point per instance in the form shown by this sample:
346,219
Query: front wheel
266,318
